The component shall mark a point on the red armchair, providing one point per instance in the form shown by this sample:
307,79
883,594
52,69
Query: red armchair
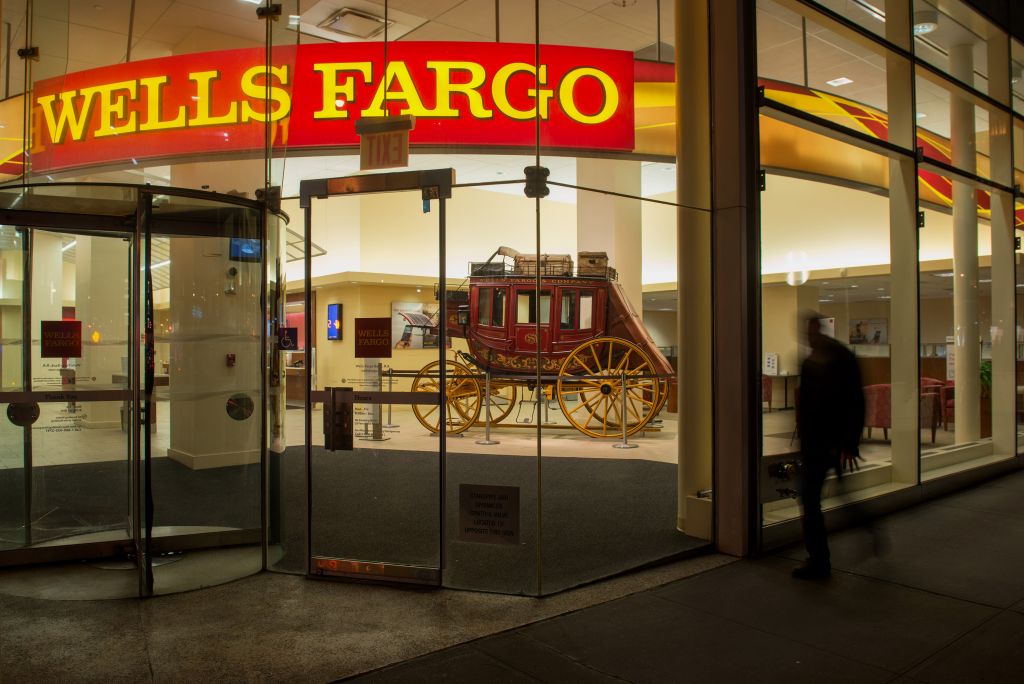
947,395
878,408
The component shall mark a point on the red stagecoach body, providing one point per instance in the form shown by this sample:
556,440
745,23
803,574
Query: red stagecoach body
576,305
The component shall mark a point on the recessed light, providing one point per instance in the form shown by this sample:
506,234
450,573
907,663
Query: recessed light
925,21
884,297
841,81
921,115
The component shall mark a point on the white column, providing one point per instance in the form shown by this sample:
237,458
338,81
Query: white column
965,254
606,223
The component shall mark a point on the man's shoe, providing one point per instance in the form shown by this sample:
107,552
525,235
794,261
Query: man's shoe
812,571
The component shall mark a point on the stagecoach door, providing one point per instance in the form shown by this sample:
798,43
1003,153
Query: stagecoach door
525,310
375,456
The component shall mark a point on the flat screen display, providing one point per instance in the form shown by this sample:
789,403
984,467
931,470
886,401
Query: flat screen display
244,249
334,321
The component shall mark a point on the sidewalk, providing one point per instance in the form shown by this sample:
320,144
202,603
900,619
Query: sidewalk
944,604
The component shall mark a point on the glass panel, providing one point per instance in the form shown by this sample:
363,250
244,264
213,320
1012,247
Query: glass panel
484,307
567,317
957,40
853,272
285,505
1017,75
498,317
811,63
957,128
955,321
869,14
205,418
1019,336
586,311
80,331
12,437
380,501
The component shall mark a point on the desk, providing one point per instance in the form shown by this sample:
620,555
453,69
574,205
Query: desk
785,387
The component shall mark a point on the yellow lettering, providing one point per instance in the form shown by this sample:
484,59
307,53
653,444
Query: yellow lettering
204,89
112,108
334,91
499,91
445,89
279,96
154,108
611,95
397,71
70,118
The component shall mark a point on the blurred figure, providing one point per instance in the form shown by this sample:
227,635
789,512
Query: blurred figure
829,422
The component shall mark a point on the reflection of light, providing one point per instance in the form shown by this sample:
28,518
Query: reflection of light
161,264
69,245
796,265
925,21
339,102
95,337
841,81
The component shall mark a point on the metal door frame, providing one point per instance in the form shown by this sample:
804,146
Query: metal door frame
432,184
137,227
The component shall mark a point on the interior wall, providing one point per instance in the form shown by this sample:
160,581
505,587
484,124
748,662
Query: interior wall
662,327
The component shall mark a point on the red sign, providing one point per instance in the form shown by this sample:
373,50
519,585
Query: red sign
373,338
459,93
60,339
383,150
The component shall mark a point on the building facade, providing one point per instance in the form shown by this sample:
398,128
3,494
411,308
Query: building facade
492,294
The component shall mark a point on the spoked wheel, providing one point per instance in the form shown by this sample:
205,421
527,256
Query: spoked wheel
462,397
503,400
590,387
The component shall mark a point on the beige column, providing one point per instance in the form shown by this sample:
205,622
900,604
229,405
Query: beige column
101,303
606,223
1003,330
47,302
904,354
693,188
965,253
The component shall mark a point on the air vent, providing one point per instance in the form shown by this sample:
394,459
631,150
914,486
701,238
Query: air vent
355,24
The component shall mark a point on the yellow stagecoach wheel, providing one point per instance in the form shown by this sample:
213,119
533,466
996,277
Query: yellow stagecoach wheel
462,396
590,388
503,400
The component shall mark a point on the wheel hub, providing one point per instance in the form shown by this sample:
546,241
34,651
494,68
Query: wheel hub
606,388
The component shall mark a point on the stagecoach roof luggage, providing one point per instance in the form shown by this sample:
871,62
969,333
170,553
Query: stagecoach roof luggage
507,261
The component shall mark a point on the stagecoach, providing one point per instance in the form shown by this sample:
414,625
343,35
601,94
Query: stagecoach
596,358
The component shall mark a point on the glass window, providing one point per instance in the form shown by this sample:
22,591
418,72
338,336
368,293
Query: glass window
808,61
498,309
586,310
483,311
526,307
957,40
567,318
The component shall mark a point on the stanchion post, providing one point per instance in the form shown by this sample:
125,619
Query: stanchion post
624,444
487,411
391,385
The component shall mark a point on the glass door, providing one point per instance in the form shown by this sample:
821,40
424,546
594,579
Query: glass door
201,371
65,463
377,430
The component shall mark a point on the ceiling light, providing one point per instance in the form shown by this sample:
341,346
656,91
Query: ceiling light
355,23
946,274
925,21
254,2
841,81
162,264
921,115
884,297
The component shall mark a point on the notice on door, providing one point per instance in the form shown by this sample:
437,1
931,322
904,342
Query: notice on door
60,339
488,514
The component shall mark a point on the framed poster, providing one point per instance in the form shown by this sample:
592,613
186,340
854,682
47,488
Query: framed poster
414,325
869,331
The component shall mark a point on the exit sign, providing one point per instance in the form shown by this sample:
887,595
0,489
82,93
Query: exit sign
384,142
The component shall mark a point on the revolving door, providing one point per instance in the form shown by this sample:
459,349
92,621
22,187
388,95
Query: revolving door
134,382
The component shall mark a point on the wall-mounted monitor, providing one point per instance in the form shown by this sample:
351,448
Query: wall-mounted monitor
334,321
244,249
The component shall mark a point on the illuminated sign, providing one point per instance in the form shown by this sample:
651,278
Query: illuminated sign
313,95
373,338
334,321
